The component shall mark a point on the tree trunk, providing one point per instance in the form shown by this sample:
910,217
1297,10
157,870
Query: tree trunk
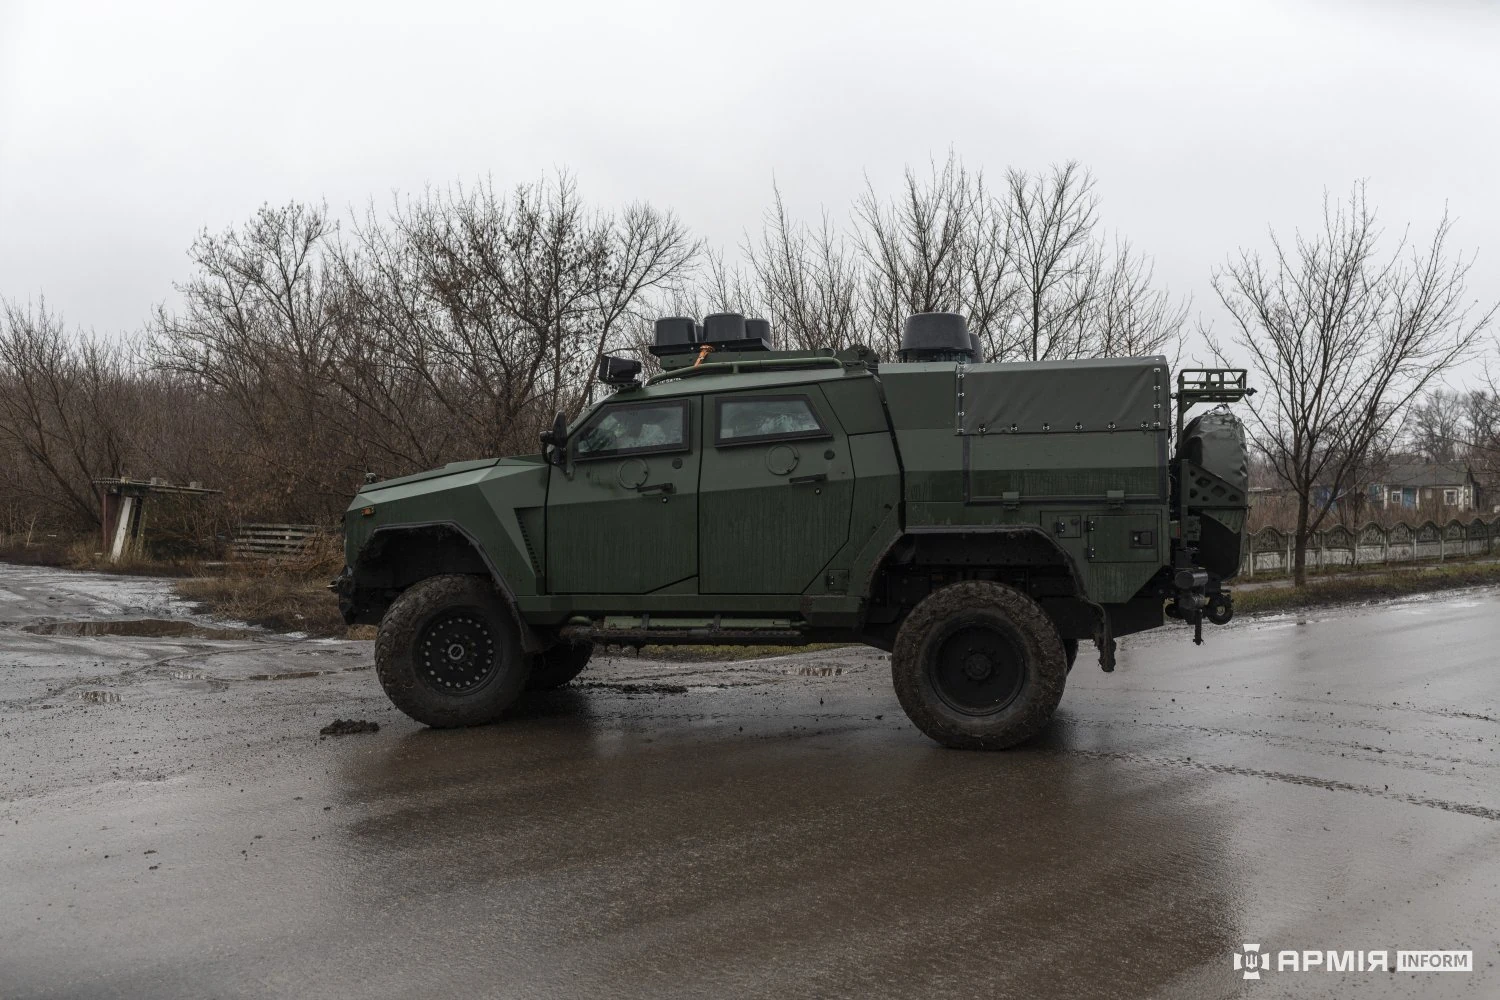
1299,545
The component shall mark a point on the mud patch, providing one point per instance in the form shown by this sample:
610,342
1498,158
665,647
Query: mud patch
636,688
98,697
815,671
149,628
290,675
347,727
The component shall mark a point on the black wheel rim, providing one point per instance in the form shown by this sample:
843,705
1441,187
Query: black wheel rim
978,670
455,652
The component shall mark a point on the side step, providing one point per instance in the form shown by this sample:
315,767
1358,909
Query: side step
661,631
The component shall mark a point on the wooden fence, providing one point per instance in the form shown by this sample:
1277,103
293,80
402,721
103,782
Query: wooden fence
1270,550
261,541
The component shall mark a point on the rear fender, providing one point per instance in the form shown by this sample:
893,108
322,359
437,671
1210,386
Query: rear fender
966,549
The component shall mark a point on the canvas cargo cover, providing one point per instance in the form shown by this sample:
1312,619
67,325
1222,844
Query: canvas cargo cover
1033,397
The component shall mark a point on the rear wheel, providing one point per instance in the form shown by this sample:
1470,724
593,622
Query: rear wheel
979,666
558,665
449,653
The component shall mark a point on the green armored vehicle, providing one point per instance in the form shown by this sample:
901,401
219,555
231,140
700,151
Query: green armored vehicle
976,520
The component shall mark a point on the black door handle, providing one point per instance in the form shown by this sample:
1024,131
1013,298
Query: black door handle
816,477
657,488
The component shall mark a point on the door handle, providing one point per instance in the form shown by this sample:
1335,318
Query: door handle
816,477
656,488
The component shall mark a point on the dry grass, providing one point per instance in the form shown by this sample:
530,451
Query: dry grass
15,549
280,601
84,553
288,595
1362,587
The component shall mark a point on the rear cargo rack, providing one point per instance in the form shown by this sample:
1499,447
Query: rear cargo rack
1209,385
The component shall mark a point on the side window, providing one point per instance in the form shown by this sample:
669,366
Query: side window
751,419
633,429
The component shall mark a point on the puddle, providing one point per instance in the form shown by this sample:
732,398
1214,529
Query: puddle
98,697
141,627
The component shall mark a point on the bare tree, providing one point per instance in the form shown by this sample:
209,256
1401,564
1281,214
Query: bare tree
1051,221
647,251
1437,422
67,403
1130,316
454,323
1482,420
913,249
990,280
258,335
1344,339
807,279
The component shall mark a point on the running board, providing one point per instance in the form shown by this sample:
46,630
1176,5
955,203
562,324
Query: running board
663,631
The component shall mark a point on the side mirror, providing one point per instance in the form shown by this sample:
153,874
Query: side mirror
555,440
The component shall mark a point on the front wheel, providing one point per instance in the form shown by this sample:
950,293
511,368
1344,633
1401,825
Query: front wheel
449,652
979,666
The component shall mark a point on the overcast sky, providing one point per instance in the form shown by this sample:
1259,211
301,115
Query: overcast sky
127,127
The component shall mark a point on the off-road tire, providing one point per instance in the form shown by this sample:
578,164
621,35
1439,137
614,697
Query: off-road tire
558,665
1034,661
470,606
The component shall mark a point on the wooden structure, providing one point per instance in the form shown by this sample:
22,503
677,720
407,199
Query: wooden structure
124,509
272,540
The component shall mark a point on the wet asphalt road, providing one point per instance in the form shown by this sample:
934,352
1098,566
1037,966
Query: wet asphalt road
172,825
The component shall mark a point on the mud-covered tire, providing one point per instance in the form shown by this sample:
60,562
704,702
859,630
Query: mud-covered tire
979,666
448,652
558,665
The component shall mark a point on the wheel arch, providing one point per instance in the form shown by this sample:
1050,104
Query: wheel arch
1009,553
398,555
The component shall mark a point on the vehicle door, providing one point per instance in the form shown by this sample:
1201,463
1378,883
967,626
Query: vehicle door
775,491
622,510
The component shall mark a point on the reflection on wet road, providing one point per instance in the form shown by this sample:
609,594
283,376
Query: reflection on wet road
172,825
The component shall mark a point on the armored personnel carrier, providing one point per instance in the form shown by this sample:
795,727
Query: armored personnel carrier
978,521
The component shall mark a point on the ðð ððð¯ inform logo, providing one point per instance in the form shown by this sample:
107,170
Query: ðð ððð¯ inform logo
1250,960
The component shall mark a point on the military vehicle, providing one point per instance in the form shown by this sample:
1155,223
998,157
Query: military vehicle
975,520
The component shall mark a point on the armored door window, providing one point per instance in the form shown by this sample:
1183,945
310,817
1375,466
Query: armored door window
634,429
754,419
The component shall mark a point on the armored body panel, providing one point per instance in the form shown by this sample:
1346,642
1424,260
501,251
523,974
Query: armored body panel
755,496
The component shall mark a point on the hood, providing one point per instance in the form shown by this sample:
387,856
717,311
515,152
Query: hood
374,491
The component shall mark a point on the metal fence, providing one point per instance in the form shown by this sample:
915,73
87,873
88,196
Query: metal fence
1270,550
